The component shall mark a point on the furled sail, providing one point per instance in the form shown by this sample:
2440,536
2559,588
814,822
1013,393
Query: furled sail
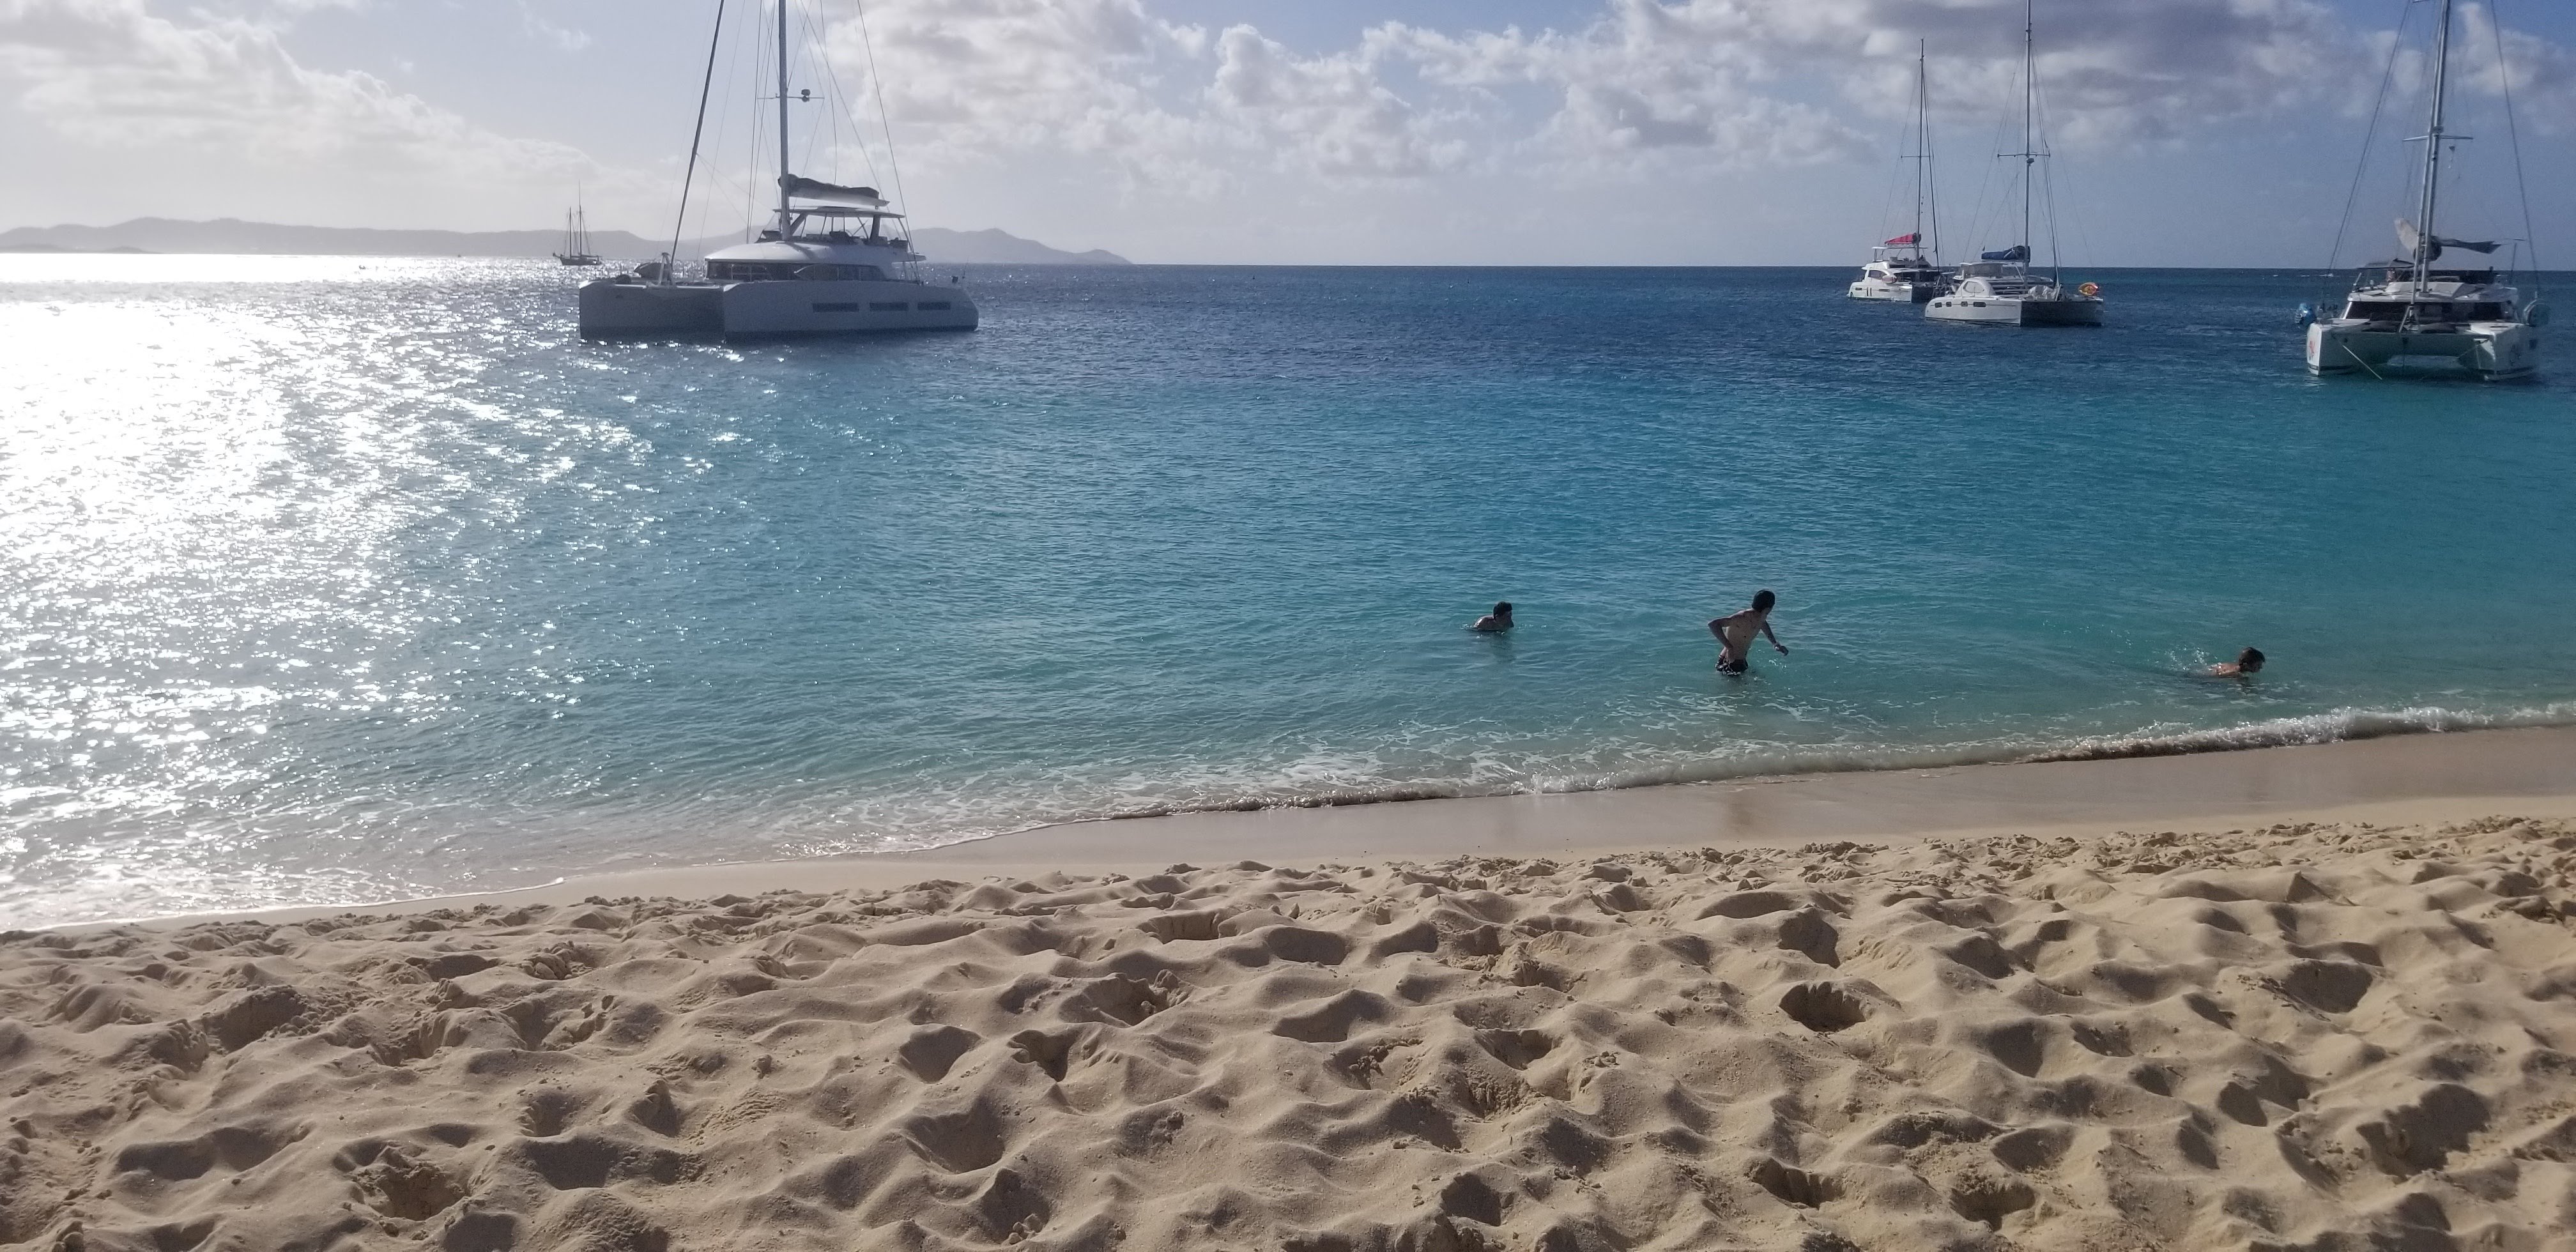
2017,252
1916,237
2409,235
815,189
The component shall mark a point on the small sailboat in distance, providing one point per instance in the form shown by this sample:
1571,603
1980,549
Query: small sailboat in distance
1901,269
576,250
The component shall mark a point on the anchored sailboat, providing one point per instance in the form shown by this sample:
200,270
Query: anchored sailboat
1900,268
2000,288
2413,307
834,261
576,249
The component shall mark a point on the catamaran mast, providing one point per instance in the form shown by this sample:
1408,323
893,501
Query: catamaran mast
2029,153
2427,246
782,120
1923,125
1922,137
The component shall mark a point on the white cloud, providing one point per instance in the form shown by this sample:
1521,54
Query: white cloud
1645,87
223,92
1722,74
1332,115
2541,74
1075,73
1230,132
563,38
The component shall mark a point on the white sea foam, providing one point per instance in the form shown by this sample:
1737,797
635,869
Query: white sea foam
1776,760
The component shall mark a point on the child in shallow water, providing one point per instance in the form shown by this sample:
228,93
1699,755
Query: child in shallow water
1736,631
1496,622
2247,664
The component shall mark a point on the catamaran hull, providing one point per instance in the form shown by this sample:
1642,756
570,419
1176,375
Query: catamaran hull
1900,293
762,309
2482,349
611,308
2013,311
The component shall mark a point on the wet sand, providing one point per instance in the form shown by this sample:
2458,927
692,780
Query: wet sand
2405,779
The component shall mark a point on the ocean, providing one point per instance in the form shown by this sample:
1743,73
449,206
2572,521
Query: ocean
330,580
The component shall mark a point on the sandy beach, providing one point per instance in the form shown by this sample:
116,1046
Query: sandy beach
2316,998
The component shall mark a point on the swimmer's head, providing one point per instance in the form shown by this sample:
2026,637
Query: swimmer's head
1763,600
1502,608
2250,660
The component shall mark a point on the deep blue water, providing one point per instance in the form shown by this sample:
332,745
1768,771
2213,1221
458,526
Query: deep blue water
332,580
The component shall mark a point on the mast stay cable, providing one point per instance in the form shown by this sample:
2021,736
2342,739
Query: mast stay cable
2513,135
885,120
670,260
2370,136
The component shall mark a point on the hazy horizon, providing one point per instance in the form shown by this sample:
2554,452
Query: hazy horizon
551,235
2190,133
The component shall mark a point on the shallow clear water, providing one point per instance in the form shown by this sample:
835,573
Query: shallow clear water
330,580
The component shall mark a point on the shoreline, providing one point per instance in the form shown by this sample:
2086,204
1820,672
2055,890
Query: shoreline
2419,779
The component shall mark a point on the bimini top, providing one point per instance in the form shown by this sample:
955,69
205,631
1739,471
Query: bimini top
803,211
815,189
838,247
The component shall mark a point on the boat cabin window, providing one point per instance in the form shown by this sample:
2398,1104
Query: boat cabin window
2425,311
834,227
2401,272
788,271
748,271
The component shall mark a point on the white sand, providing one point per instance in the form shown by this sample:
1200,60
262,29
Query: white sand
2300,1036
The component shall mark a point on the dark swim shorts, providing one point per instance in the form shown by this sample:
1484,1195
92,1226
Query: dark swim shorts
1733,665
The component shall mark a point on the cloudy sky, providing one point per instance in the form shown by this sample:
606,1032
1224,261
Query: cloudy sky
2189,132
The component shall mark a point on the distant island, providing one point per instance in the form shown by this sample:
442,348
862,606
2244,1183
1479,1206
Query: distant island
121,250
232,236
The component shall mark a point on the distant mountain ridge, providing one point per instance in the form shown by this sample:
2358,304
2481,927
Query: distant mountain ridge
995,247
231,235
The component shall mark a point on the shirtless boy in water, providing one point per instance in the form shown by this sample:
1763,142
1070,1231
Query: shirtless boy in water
1735,633
2247,664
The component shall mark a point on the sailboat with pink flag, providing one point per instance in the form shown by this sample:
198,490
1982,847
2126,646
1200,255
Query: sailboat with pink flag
1899,270
1907,268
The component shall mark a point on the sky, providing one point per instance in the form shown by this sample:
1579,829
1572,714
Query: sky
1541,132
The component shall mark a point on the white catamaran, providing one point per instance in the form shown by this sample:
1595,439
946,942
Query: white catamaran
835,261
2001,288
1901,269
2415,309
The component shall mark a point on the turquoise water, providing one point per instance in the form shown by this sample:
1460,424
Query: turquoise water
329,580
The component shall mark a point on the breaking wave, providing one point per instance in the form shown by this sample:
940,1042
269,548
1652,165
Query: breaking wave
2335,726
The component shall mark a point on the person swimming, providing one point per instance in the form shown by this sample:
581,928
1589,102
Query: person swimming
2247,664
1735,633
1496,622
